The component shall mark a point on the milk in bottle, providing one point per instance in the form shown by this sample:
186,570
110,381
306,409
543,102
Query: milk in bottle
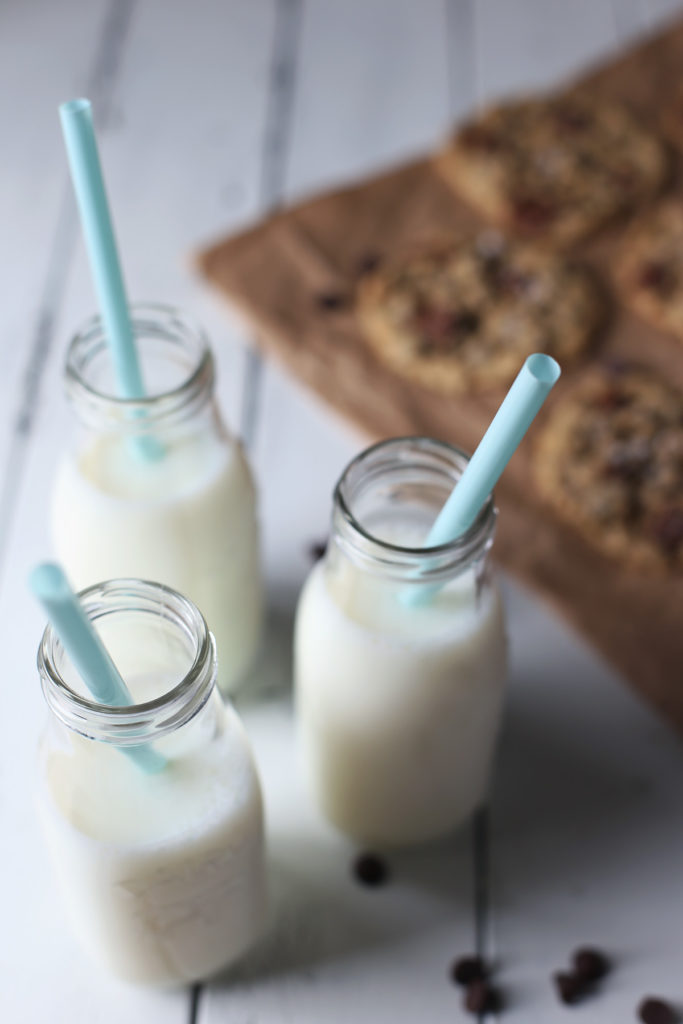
186,516
399,703
161,873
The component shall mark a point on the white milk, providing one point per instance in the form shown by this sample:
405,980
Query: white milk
187,520
398,706
162,875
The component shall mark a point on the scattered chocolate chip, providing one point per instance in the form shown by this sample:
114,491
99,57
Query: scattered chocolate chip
370,870
667,528
368,263
533,213
468,969
570,987
330,301
482,997
657,1011
590,964
316,550
654,276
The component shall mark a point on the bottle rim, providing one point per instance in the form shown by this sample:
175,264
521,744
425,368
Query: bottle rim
150,320
136,723
417,453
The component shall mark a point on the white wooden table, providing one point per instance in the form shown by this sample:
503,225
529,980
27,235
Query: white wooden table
210,112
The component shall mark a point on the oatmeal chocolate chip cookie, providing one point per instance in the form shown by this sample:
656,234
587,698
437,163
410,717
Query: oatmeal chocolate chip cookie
649,271
462,316
610,462
557,167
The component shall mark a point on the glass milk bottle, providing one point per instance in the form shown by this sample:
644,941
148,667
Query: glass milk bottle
398,701
181,510
161,873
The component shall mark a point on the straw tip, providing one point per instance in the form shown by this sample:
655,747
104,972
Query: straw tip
74,108
543,368
47,580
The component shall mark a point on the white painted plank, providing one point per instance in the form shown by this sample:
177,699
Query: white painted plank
372,88
535,44
587,828
181,157
661,11
631,20
337,951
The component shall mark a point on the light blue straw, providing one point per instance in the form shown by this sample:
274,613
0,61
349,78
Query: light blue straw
86,650
86,174
514,417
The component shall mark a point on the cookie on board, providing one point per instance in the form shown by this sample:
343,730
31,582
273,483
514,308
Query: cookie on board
461,316
557,167
610,462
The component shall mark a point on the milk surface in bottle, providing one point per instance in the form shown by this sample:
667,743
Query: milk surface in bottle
184,515
161,873
399,702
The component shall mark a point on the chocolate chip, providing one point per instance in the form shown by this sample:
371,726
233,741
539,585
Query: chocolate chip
667,528
368,263
628,459
330,301
468,969
482,997
657,1011
570,987
571,117
433,323
590,964
625,177
370,870
316,550
533,213
610,399
655,276
443,328
466,322
474,136
513,281
615,366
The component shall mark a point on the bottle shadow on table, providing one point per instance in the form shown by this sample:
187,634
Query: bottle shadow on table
323,918
587,794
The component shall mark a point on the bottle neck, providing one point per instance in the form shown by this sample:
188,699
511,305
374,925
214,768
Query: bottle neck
152,633
177,369
386,502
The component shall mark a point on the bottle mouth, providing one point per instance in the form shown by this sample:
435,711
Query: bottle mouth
152,609
407,477
176,362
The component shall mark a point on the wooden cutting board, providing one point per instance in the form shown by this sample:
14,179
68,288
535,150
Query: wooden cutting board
277,272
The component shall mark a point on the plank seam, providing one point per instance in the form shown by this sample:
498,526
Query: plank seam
464,91
460,56
276,145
